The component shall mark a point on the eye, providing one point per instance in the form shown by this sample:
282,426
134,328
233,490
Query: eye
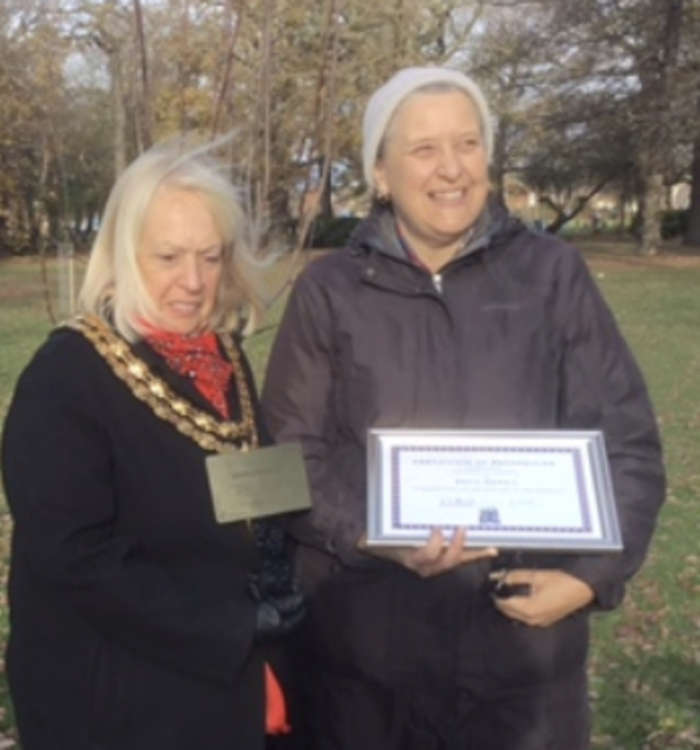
166,257
469,143
423,149
213,259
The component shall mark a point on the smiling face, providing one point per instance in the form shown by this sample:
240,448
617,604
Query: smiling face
180,258
434,168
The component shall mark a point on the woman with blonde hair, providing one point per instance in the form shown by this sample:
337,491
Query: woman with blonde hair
137,620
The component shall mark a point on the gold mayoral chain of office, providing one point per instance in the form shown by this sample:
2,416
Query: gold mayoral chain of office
207,431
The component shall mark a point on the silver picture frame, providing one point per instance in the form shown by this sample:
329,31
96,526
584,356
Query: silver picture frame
547,490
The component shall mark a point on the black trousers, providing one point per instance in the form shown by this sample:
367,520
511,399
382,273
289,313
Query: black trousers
388,661
352,714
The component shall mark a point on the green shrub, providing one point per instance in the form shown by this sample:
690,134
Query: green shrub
674,223
333,232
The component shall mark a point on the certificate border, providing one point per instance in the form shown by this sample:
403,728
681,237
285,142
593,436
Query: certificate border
590,451
584,500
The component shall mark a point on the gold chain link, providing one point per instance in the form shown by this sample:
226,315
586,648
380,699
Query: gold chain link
207,431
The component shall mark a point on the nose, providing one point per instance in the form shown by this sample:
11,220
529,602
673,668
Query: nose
192,276
450,164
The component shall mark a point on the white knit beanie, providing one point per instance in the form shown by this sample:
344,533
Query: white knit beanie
384,101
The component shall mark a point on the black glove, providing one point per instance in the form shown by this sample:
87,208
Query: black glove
275,576
276,615
280,602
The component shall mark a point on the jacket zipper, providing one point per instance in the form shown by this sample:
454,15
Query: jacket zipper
437,282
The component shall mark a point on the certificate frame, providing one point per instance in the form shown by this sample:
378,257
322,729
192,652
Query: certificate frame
546,490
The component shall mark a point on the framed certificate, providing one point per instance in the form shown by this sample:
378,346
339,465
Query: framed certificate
522,489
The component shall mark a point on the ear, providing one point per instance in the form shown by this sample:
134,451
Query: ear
381,185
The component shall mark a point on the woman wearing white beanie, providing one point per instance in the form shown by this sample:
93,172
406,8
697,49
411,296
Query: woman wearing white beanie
445,312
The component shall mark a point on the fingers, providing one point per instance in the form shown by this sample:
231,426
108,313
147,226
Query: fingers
454,553
515,595
554,595
437,556
434,549
469,555
523,608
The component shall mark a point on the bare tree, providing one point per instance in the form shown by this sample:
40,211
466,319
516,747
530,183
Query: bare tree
692,235
144,121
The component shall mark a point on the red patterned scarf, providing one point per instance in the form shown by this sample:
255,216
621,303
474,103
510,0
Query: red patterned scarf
198,358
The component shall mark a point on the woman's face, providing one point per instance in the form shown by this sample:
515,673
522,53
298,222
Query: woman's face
180,259
434,169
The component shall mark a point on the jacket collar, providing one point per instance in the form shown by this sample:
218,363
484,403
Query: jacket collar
378,231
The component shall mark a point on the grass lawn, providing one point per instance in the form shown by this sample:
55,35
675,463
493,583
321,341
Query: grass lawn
645,661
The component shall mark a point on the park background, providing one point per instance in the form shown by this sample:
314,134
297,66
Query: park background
596,109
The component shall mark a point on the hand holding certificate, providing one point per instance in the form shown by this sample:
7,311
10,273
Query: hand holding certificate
547,490
438,555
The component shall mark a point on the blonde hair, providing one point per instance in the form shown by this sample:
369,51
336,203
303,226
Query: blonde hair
113,288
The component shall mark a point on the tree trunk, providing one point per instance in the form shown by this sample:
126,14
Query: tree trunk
651,217
234,24
692,234
621,212
144,121
325,206
657,83
117,85
266,94
398,38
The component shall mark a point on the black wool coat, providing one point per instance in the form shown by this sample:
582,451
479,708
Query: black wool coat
131,626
